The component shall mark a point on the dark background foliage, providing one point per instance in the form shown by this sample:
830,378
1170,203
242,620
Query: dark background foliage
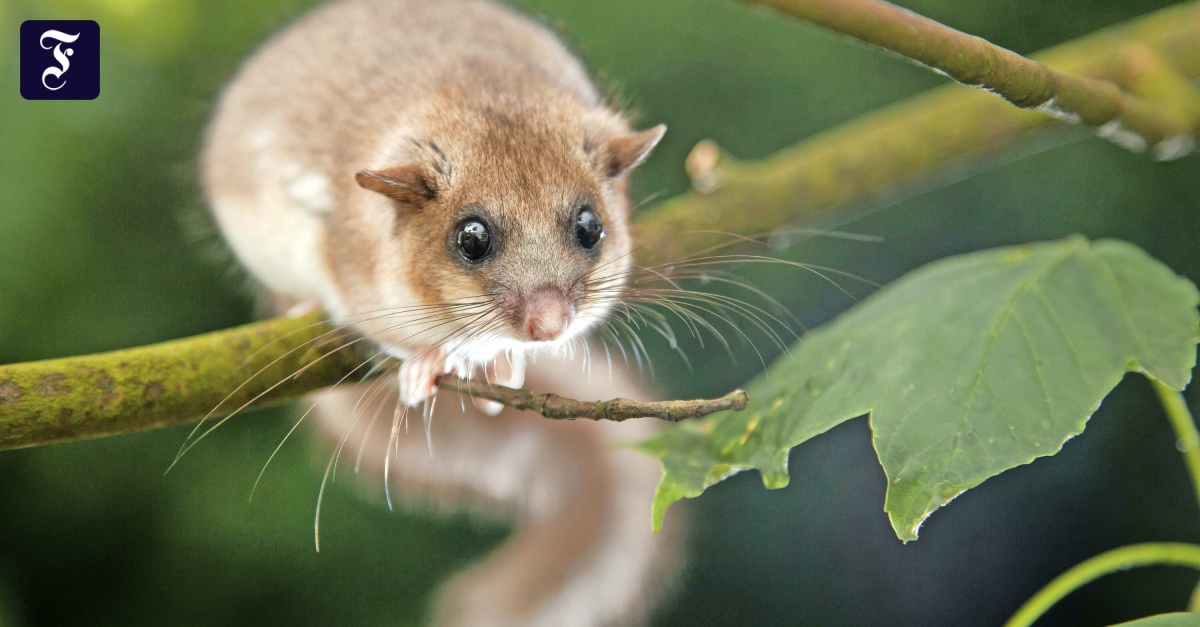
97,251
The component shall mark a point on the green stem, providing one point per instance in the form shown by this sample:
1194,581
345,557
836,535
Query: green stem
1185,429
1188,442
1116,560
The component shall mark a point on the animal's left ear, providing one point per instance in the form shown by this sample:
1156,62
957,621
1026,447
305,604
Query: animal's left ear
625,152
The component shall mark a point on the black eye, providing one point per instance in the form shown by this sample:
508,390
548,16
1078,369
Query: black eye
474,240
588,228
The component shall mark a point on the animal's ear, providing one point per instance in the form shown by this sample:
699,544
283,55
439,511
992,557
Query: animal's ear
624,152
409,183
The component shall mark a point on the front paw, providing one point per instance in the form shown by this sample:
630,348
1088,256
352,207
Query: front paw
419,376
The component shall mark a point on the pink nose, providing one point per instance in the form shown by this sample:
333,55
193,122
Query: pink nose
547,314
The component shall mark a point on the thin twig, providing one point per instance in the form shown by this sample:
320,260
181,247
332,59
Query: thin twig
1128,120
557,407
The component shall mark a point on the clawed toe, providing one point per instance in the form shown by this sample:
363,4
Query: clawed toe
509,372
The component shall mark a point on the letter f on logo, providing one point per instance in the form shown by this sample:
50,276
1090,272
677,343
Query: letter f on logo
59,55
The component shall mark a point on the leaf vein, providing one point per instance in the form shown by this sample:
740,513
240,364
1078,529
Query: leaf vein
1062,329
1112,276
1003,414
1037,368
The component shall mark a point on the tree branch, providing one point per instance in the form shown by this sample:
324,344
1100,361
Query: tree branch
1128,120
169,383
863,158
257,364
176,382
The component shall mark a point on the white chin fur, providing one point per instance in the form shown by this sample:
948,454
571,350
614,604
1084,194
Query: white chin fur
467,356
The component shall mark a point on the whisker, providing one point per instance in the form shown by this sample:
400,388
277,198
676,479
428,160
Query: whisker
189,442
320,500
375,388
387,451
747,310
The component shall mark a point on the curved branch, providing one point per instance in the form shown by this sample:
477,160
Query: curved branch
1128,120
863,158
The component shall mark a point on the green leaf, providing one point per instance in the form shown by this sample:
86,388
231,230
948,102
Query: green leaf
968,366
1177,619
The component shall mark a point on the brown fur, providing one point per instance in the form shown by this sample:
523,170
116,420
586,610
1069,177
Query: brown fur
340,163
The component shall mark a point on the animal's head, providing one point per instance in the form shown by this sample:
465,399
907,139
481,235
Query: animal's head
513,224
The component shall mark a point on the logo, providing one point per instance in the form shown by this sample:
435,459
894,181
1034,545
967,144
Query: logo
60,60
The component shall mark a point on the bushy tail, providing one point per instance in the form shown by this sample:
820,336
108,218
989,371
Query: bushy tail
582,552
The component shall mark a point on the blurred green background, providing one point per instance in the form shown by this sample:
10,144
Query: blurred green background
100,249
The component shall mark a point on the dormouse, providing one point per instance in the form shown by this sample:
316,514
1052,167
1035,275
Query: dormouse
442,174
443,177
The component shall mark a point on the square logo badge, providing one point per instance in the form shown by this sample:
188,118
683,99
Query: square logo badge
60,60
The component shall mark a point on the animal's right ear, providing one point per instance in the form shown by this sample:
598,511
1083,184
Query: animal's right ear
409,183
626,152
